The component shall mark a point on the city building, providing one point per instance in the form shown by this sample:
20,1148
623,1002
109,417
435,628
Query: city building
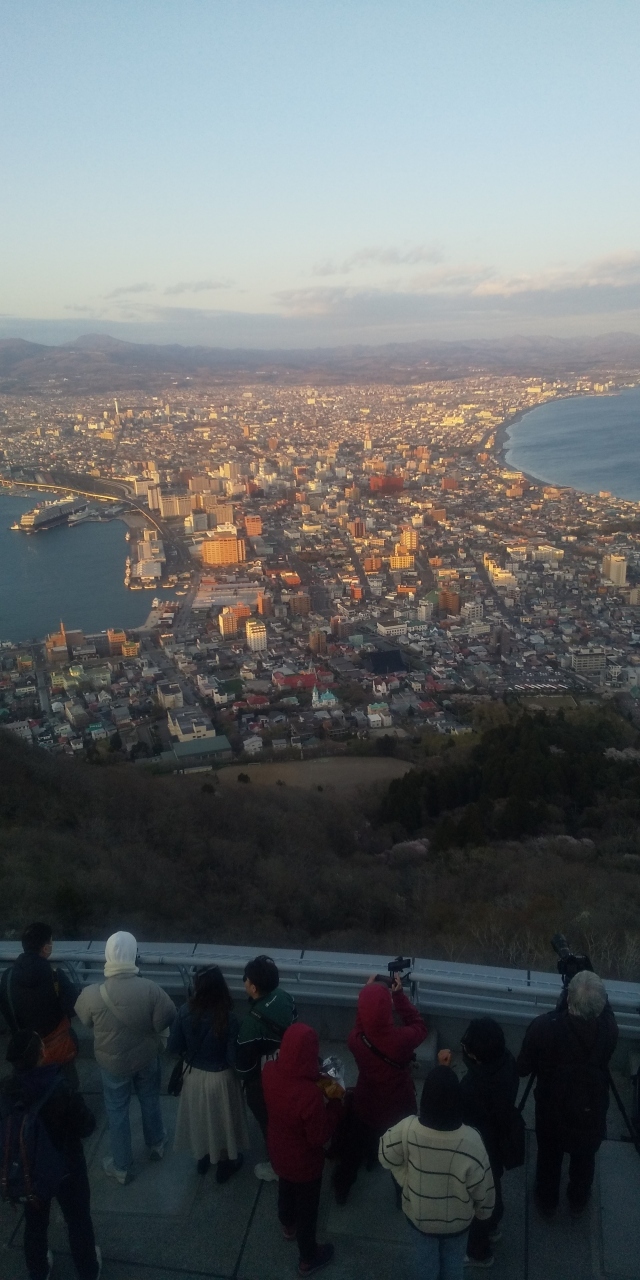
614,569
223,549
256,632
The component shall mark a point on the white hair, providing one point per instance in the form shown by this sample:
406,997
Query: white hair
586,995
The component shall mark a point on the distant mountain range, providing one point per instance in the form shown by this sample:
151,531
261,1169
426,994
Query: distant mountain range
98,363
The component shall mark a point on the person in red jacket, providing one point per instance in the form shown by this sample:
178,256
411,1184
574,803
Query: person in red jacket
385,1092
301,1121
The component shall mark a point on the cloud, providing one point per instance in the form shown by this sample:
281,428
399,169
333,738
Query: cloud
378,256
617,271
142,287
197,286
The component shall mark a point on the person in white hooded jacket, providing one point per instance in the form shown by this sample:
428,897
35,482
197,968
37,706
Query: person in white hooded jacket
128,1015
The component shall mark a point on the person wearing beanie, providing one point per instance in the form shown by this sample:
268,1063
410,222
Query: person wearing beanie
66,1120
489,1091
443,1170
128,1015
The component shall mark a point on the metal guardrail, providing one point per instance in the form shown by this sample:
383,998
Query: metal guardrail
335,978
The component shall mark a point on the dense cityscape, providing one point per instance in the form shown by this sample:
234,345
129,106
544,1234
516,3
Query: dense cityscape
332,569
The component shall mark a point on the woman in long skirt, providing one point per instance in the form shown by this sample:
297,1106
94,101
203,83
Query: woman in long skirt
212,1121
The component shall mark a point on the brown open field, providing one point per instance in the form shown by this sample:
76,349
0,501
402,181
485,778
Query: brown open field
332,773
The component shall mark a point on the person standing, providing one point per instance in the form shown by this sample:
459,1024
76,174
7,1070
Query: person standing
271,1011
212,1121
385,1092
38,996
568,1051
128,1015
301,1120
444,1173
37,1097
488,1092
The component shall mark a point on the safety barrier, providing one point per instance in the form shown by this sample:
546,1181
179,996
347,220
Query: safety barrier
334,979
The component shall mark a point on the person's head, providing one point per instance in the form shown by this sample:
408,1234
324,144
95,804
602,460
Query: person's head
441,1101
211,998
120,950
261,977
586,996
483,1041
25,1050
38,939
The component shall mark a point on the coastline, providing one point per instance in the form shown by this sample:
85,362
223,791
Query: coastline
502,440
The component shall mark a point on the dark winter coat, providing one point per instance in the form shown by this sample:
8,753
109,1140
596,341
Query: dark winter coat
489,1091
195,1039
385,1094
301,1121
65,1114
40,993
559,1039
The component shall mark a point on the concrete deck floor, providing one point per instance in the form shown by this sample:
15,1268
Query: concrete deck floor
172,1224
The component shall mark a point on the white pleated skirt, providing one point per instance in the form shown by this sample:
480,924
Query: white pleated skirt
211,1115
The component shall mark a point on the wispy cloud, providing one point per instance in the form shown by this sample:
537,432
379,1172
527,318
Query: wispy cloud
197,286
123,289
379,256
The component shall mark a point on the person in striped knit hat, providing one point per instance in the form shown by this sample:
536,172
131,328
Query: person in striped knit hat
444,1173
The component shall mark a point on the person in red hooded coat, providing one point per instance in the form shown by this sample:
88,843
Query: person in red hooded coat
301,1120
385,1092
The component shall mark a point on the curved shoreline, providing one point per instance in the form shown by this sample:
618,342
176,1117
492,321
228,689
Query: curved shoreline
503,443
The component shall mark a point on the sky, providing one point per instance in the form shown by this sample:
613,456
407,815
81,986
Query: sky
292,173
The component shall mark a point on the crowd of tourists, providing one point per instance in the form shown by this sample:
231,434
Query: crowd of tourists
447,1153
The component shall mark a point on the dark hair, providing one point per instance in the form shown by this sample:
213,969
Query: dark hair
441,1101
24,1049
211,998
263,973
36,936
484,1040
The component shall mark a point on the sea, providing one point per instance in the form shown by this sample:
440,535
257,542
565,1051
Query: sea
74,574
586,442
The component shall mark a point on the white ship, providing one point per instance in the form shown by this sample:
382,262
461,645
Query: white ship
49,514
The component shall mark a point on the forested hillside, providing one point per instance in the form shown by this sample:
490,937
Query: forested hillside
532,827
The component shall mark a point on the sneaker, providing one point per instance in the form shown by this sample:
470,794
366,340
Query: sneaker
157,1152
289,1233
494,1236
265,1171
204,1165
121,1175
479,1262
324,1254
226,1168
99,1261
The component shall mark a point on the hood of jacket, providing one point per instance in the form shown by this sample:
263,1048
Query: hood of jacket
375,1008
31,970
299,1053
276,1007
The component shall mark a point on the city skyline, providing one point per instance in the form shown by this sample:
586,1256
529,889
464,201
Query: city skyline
238,176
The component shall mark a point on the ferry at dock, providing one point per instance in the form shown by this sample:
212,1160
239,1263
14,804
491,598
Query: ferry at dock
49,514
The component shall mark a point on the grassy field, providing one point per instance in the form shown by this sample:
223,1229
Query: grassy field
332,773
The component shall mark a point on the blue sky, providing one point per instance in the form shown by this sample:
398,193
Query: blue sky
300,172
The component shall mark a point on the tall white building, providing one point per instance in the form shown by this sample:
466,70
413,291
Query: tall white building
256,635
614,568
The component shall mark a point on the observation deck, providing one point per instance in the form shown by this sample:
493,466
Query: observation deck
171,1224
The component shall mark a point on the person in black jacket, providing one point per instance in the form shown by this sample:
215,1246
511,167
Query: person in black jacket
569,1051
488,1090
67,1121
37,996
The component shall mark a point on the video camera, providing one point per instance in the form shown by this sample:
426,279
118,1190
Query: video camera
569,963
395,966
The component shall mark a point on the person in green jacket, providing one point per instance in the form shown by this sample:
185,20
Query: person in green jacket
271,1011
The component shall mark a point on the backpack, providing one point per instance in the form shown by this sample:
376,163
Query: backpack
580,1093
32,1167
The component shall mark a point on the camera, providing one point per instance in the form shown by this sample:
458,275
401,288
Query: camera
569,963
394,967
